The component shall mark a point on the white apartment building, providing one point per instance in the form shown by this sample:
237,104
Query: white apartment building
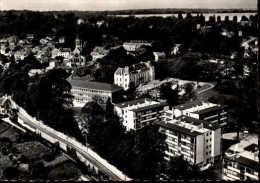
210,112
139,113
85,91
198,143
241,160
134,75
134,45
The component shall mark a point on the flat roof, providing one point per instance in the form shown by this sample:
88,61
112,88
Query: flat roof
197,122
132,102
150,106
214,108
94,85
188,105
241,153
141,104
176,127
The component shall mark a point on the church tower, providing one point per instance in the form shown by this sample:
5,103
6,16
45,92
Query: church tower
78,46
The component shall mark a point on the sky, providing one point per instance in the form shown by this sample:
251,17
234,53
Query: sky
99,5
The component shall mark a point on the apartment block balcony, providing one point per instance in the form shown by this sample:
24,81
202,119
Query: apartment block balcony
252,176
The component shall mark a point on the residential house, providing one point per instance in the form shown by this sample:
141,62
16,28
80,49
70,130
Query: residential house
65,53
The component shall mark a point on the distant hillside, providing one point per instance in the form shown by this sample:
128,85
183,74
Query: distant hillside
140,11
173,11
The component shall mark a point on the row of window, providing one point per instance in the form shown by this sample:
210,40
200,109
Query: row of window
79,90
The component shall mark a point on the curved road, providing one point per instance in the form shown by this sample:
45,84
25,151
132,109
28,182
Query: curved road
85,154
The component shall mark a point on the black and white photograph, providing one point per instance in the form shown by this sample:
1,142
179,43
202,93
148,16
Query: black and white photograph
129,90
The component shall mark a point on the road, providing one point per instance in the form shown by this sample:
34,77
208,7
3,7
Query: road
85,154
206,93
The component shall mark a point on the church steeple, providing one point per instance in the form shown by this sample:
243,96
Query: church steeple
78,46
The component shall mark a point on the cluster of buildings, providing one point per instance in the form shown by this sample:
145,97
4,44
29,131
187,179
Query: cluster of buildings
193,130
46,49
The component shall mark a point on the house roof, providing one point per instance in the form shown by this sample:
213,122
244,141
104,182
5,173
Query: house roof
94,85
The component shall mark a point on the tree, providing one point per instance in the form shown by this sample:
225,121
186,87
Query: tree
169,94
109,108
148,149
11,173
179,169
189,92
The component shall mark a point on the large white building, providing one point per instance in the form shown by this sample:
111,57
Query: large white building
134,75
139,113
195,140
210,112
241,160
85,91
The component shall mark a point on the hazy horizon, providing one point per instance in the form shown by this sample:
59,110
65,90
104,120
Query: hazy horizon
111,5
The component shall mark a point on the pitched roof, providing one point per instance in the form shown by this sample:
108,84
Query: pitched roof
94,85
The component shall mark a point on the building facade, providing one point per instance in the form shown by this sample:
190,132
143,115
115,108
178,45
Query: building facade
139,113
198,143
85,91
134,75
241,161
